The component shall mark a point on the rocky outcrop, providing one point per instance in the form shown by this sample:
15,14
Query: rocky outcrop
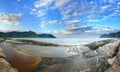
95,45
107,53
115,61
4,65
18,59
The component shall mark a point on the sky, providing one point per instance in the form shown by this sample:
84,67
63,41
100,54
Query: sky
62,18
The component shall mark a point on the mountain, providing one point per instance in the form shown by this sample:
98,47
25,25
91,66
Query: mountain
46,36
111,35
25,34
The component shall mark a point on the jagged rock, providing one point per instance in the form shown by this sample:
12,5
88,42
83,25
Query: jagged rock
95,45
114,68
115,61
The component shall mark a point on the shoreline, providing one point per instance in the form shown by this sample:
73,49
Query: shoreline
100,56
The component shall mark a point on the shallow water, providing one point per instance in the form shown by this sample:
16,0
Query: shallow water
59,51
47,51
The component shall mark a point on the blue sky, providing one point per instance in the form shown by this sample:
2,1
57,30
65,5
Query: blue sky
63,18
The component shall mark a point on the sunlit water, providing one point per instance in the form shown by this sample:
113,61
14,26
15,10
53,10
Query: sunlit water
60,51
66,41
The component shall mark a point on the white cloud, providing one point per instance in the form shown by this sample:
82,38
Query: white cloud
11,19
40,13
72,30
61,32
66,17
101,30
93,20
38,9
42,3
86,29
67,11
95,31
52,21
42,24
75,14
72,21
118,3
113,14
61,3
104,8
18,0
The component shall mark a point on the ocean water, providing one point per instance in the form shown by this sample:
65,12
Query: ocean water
66,41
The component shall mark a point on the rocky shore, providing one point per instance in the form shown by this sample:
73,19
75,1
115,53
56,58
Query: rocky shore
104,58
101,56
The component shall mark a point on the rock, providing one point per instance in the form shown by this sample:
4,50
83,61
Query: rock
95,45
115,61
20,60
4,65
2,39
114,68
111,61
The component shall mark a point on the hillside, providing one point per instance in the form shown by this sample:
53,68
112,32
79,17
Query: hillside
111,35
46,36
25,34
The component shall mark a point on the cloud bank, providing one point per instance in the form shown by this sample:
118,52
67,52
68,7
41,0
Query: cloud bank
10,19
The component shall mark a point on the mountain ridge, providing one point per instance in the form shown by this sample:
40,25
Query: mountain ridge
25,34
111,35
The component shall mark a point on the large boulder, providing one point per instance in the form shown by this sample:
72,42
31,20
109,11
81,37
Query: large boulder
115,61
19,59
4,65
95,45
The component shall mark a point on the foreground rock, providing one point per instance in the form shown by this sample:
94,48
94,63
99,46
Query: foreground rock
95,45
115,61
18,59
4,65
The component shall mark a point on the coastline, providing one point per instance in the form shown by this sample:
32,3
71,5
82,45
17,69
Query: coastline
103,58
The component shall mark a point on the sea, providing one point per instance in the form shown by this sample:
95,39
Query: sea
74,46
66,41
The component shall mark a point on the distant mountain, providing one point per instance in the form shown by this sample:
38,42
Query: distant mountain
46,36
26,34
111,35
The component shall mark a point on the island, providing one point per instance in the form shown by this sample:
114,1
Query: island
25,34
111,35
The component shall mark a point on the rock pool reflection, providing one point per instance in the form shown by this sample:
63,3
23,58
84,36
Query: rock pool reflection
47,51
